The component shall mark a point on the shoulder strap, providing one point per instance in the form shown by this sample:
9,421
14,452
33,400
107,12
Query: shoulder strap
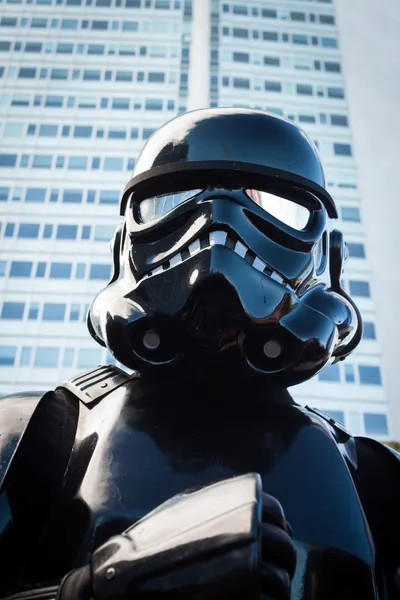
93,385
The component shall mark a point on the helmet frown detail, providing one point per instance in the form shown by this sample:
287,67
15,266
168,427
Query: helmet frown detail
225,259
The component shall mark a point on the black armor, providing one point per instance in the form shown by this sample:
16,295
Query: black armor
197,476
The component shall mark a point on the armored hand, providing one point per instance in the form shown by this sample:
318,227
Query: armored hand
226,540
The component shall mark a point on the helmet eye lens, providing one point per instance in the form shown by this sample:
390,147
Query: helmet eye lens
157,206
288,212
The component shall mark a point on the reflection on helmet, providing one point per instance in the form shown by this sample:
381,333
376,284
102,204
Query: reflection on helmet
226,258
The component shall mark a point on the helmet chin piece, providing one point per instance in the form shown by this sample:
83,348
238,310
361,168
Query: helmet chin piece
220,279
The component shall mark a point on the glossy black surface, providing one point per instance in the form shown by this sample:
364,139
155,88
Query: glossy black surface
16,411
211,306
141,446
232,139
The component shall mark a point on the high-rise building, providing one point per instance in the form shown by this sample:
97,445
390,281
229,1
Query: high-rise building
84,84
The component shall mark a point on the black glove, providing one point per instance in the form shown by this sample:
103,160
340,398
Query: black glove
226,540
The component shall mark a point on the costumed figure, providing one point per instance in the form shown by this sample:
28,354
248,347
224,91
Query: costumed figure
196,475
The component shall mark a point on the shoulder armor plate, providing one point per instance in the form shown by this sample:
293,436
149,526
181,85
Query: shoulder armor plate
93,385
341,432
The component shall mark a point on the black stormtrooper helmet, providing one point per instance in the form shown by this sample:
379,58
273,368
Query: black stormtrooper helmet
225,258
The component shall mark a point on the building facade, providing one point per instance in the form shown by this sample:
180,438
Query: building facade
83,84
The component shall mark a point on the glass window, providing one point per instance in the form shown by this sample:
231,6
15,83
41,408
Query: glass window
127,51
351,213
376,424
270,36
239,9
54,195
349,373
359,288
69,23
354,419
21,268
47,231
74,312
269,13
26,73
273,86
156,77
8,160
124,76
13,310
117,134
41,161
238,32
298,38
39,22
120,103
20,100
243,57
109,197
332,67
8,21
46,357
339,120
48,130
25,357
64,48
40,269
241,82
335,92
85,232
7,355
147,132
88,357
98,271
82,131
54,101
87,102
356,250
369,330
112,163
103,233
95,162
95,49
100,25
328,42
327,19
35,194
53,311
14,129
153,104
297,16
77,162
329,373
5,46
272,61
66,232
80,271
130,26
370,375
4,192
28,230
342,149
338,415
3,267
59,74
60,270
33,311
10,228
91,75
304,89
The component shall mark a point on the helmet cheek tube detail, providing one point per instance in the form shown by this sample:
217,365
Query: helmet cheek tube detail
225,261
